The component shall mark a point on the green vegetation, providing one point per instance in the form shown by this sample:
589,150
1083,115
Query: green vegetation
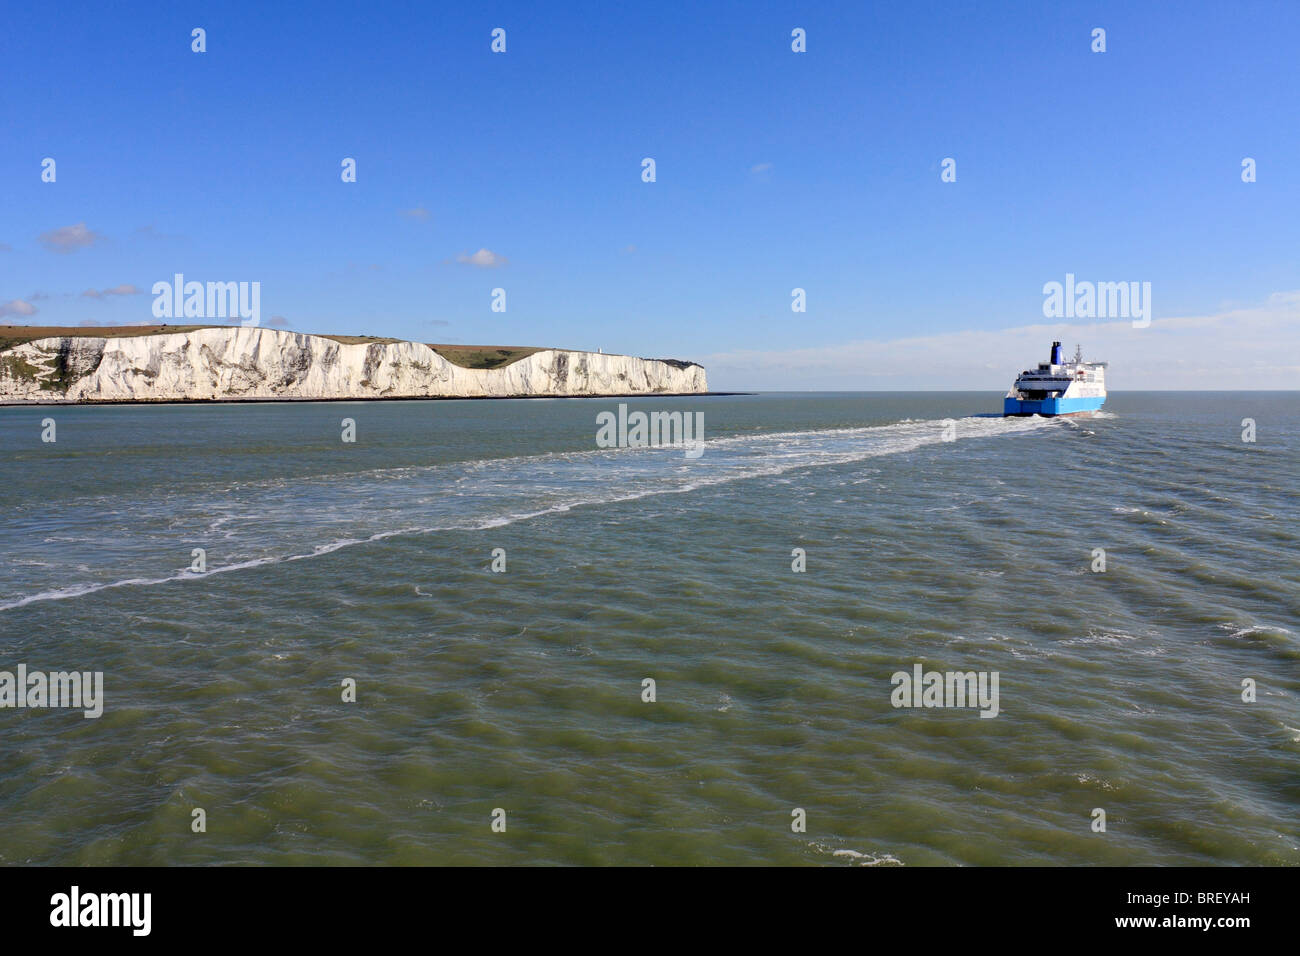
483,356
18,367
466,356
59,378
11,335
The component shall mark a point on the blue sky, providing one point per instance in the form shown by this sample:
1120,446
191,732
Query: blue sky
775,170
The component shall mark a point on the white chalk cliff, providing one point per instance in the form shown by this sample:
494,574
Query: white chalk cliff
219,364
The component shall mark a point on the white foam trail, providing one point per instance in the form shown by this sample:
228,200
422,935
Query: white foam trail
63,593
870,859
736,458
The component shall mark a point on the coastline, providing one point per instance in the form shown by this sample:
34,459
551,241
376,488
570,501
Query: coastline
81,403
256,364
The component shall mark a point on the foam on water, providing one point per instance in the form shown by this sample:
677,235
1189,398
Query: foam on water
272,521
372,560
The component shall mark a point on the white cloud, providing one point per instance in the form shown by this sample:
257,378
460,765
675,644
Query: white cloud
419,212
124,289
17,307
1238,348
484,259
69,238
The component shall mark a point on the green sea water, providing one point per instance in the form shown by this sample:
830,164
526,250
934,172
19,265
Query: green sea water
522,691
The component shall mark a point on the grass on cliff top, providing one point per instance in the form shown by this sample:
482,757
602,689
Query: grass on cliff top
466,356
484,356
11,335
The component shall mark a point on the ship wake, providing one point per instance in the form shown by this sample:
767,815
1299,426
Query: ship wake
108,543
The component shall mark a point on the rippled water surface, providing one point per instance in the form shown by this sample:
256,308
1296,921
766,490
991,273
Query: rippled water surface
522,690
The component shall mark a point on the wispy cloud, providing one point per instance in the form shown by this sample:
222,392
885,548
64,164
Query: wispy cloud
418,213
758,169
69,238
124,289
483,259
1239,348
18,307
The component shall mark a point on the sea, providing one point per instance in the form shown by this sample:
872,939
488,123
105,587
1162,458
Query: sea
473,636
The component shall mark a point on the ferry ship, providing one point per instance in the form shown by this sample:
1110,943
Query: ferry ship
1058,388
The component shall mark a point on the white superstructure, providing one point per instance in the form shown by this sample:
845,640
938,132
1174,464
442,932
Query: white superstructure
1058,387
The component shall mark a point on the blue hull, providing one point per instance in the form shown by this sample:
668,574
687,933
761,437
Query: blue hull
1051,406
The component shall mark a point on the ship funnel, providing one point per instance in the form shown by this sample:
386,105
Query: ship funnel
1056,353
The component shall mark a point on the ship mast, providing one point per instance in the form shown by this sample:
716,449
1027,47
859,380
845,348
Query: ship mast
1078,354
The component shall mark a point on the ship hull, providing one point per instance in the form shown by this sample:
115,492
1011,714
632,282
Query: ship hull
1052,407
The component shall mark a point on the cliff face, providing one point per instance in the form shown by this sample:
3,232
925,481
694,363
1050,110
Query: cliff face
258,363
